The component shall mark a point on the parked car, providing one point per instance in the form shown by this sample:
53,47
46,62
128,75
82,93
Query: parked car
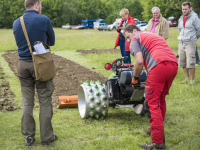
172,22
142,26
111,27
114,25
102,27
141,22
136,20
97,22
77,27
90,23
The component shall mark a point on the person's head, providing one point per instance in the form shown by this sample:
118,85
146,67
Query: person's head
130,31
156,12
186,8
124,14
33,5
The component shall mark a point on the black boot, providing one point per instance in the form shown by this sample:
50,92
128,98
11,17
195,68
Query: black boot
29,141
152,145
148,131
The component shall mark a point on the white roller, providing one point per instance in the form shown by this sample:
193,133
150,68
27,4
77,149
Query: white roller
92,100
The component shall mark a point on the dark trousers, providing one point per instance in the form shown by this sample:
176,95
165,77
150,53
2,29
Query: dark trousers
158,83
122,46
44,90
197,57
123,51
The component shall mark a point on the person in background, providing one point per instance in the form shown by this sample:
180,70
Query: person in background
196,53
120,41
189,28
158,24
38,28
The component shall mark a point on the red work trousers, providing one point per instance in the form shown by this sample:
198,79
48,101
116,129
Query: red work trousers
159,80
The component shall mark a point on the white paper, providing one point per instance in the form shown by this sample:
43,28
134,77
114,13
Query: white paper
40,48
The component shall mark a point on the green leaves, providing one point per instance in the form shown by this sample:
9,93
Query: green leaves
63,12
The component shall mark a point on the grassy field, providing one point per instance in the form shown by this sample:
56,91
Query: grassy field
122,129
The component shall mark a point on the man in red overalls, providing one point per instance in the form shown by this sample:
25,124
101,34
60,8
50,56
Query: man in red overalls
154,53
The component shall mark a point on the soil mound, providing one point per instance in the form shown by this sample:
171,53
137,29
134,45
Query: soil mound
98,51
6,95
69,75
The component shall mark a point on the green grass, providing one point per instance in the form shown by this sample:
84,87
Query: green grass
122,129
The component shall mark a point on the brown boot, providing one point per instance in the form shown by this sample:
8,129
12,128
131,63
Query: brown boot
148,131
152,145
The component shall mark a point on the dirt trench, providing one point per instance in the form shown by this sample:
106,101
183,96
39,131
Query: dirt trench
6,95
69,75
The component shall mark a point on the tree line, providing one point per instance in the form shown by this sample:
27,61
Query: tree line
63,12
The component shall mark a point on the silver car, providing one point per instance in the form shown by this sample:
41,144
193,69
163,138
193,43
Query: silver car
102,27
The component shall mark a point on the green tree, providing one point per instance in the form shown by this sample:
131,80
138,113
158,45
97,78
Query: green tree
149,4
135,8
54,10
72,13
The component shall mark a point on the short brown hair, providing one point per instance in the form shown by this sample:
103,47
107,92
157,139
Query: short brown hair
130,27
186,3
30,3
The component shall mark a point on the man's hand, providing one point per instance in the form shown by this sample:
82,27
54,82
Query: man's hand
135,82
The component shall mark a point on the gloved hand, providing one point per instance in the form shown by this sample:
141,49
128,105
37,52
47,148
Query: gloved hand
135,82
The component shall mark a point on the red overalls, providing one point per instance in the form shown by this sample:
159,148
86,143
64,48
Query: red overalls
161,64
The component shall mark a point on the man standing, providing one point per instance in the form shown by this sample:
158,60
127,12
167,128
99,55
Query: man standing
196,53
154,53
158,24
189,28
38,28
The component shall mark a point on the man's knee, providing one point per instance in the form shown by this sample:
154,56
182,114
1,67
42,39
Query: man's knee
45,91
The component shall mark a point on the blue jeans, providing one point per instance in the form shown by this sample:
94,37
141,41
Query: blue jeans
197,57
128,60
122,45
123,52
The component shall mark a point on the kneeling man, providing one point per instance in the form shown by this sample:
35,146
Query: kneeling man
154,53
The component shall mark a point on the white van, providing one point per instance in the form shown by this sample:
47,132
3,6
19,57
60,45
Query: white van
114,25
96,25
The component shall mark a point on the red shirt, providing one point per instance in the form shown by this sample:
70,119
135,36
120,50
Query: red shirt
153,47
184,21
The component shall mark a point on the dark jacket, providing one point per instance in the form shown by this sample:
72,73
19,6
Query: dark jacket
130,21
38,27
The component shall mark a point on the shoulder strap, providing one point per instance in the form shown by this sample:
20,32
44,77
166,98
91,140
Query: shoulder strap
25,33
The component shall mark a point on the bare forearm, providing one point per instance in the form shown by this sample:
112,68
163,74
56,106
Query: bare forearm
138,66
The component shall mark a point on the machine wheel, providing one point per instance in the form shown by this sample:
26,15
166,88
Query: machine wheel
140,109
92,100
